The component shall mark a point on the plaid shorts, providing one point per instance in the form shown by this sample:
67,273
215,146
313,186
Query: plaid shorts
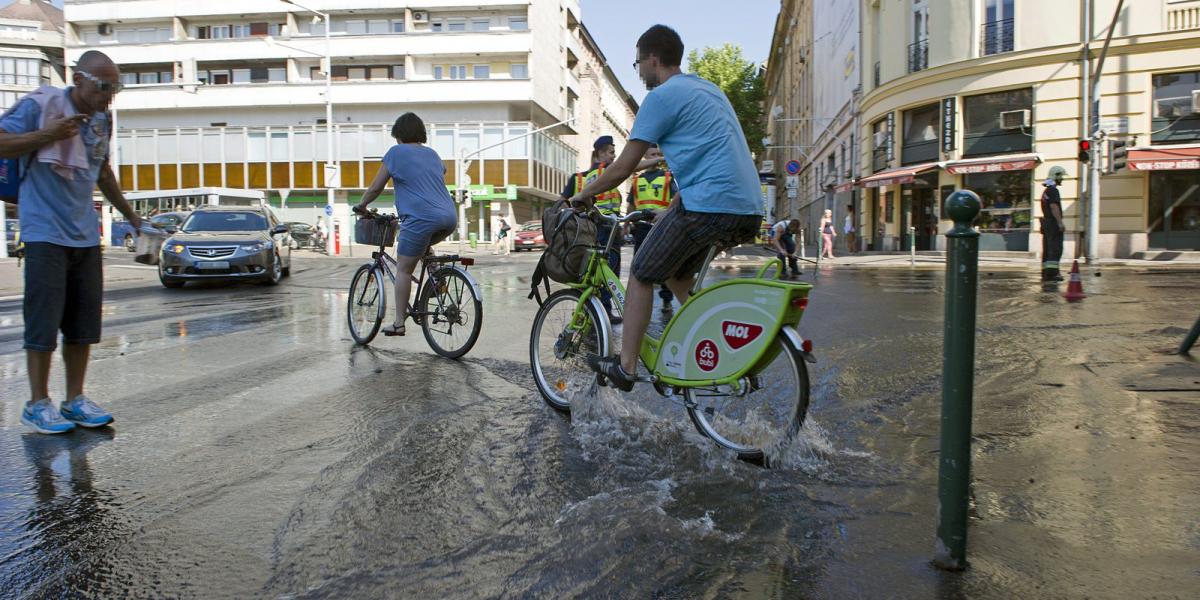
680,240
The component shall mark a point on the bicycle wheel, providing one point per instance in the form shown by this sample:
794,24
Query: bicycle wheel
558,348
367,304
452,313
765,415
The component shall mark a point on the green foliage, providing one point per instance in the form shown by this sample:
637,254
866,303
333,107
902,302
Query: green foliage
742,83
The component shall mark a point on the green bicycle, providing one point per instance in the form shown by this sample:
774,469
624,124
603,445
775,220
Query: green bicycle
731,352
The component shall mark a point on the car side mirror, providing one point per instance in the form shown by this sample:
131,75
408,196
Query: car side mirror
279,229
171,229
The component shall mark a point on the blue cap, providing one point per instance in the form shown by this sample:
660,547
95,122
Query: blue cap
602,141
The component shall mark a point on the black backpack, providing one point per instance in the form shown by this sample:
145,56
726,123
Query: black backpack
569,238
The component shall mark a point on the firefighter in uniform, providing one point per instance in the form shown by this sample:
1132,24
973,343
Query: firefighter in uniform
608,203
653,189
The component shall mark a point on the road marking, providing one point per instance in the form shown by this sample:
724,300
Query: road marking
7,298
132,267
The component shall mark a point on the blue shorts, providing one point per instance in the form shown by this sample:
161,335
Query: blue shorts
417,235
64,289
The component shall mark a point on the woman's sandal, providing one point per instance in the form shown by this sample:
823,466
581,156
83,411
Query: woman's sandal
393,330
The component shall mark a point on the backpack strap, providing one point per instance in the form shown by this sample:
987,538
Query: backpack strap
539,279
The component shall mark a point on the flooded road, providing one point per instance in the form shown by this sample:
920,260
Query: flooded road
257,453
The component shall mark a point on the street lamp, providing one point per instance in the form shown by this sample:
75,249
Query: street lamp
331,169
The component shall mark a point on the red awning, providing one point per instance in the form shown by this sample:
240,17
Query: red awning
1164,159
993,164
845,187
896,176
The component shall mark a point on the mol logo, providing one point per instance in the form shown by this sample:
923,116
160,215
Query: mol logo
738,334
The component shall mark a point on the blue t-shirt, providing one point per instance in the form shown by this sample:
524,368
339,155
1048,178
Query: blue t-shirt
694,124
420,181
56,209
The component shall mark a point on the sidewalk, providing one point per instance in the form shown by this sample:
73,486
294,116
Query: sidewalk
991,259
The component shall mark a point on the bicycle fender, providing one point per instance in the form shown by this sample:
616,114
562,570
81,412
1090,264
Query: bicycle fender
798,340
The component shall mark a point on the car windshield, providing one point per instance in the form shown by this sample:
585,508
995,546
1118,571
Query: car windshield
300,227
225,221
535,226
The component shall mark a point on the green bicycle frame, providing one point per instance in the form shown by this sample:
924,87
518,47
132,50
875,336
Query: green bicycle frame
720,335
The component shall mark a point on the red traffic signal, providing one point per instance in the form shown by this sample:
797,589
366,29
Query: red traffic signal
1085,151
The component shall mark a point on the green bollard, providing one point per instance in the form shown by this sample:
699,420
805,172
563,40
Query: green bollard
474,240
958,380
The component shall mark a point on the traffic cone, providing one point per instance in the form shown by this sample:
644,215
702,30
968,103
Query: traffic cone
1075,285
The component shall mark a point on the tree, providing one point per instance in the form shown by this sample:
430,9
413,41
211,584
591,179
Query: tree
742,82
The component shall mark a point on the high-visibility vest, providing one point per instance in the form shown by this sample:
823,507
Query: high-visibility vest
652,193
608,203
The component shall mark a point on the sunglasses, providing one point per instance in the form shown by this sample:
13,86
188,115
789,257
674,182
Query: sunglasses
102,85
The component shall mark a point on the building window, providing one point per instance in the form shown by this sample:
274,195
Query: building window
920,138
437,72
480,24
219,32
398,72
259,29
148,77
1176,96
378,26
315,74
879,142
458,71
1174,210
987,129
356,27
357,73
997,34
398,26
518,71
482,72
435,26
518,23
241,75
918,50
126,79
1005,201
379,73
277,75
20,71
240,31
456,24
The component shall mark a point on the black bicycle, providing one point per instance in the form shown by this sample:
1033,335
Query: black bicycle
449,307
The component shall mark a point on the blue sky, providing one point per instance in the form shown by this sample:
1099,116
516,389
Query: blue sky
616,25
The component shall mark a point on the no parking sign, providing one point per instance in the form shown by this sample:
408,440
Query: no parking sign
793,167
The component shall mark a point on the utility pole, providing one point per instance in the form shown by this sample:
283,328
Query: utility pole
1096,134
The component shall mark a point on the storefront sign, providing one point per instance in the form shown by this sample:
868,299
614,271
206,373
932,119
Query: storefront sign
891,133
992,167
1165,165
948,121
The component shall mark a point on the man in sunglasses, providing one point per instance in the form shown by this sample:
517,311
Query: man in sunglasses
60,138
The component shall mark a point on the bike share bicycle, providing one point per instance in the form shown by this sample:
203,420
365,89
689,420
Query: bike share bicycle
731,354
449,306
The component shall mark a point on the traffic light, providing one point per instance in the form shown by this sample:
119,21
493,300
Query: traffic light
1118,155
1085,151
467,198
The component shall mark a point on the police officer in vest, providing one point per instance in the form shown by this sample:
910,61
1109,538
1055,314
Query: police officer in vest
608,203
653,189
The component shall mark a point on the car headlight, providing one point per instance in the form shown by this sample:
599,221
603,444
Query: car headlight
257,247
173,248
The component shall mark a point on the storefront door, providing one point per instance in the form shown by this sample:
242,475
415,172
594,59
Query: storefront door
925,218
1174,215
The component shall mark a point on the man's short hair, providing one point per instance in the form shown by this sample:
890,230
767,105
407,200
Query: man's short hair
663,42
409,129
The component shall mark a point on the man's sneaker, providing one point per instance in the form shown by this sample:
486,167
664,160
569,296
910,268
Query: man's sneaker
43,417
610,368
85,413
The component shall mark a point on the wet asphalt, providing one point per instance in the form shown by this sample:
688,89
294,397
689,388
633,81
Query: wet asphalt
258,453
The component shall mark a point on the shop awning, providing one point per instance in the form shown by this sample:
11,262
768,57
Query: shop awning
896,176
845,187
1164,158
993,164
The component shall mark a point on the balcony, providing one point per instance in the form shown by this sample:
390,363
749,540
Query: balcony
101,11
1183,15
918,56
996,37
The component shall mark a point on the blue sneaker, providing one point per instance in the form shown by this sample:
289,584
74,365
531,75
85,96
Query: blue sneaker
85,413
43,418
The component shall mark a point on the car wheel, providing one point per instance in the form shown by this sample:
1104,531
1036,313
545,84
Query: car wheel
129,243
276,272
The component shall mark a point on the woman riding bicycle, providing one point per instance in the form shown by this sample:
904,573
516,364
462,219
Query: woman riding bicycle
426,211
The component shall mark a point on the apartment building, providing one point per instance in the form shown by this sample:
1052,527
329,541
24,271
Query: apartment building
31,48
597,99
231,94
988,95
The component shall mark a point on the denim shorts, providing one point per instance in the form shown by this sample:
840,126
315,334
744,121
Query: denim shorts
64,289
417,235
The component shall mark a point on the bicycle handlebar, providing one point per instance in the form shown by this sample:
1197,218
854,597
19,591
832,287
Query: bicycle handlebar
638,215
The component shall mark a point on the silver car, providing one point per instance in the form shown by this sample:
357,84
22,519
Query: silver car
226,243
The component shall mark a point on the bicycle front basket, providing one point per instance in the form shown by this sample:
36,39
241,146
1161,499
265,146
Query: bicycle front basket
373,232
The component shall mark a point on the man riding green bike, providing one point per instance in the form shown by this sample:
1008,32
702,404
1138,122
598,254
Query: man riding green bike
719,201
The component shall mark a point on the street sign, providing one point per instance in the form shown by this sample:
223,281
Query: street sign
793,182
793,167
768,166
328,210
1115,125
793,193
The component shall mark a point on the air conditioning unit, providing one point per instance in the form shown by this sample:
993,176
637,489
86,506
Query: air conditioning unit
1169,108
1196,102
420,16
105,29
1014,119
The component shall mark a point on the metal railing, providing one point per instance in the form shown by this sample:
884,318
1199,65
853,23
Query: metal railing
918,56
997,37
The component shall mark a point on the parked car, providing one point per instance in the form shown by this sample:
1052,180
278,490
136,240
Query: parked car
122,232
226,243
12,232
529,237
301,235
